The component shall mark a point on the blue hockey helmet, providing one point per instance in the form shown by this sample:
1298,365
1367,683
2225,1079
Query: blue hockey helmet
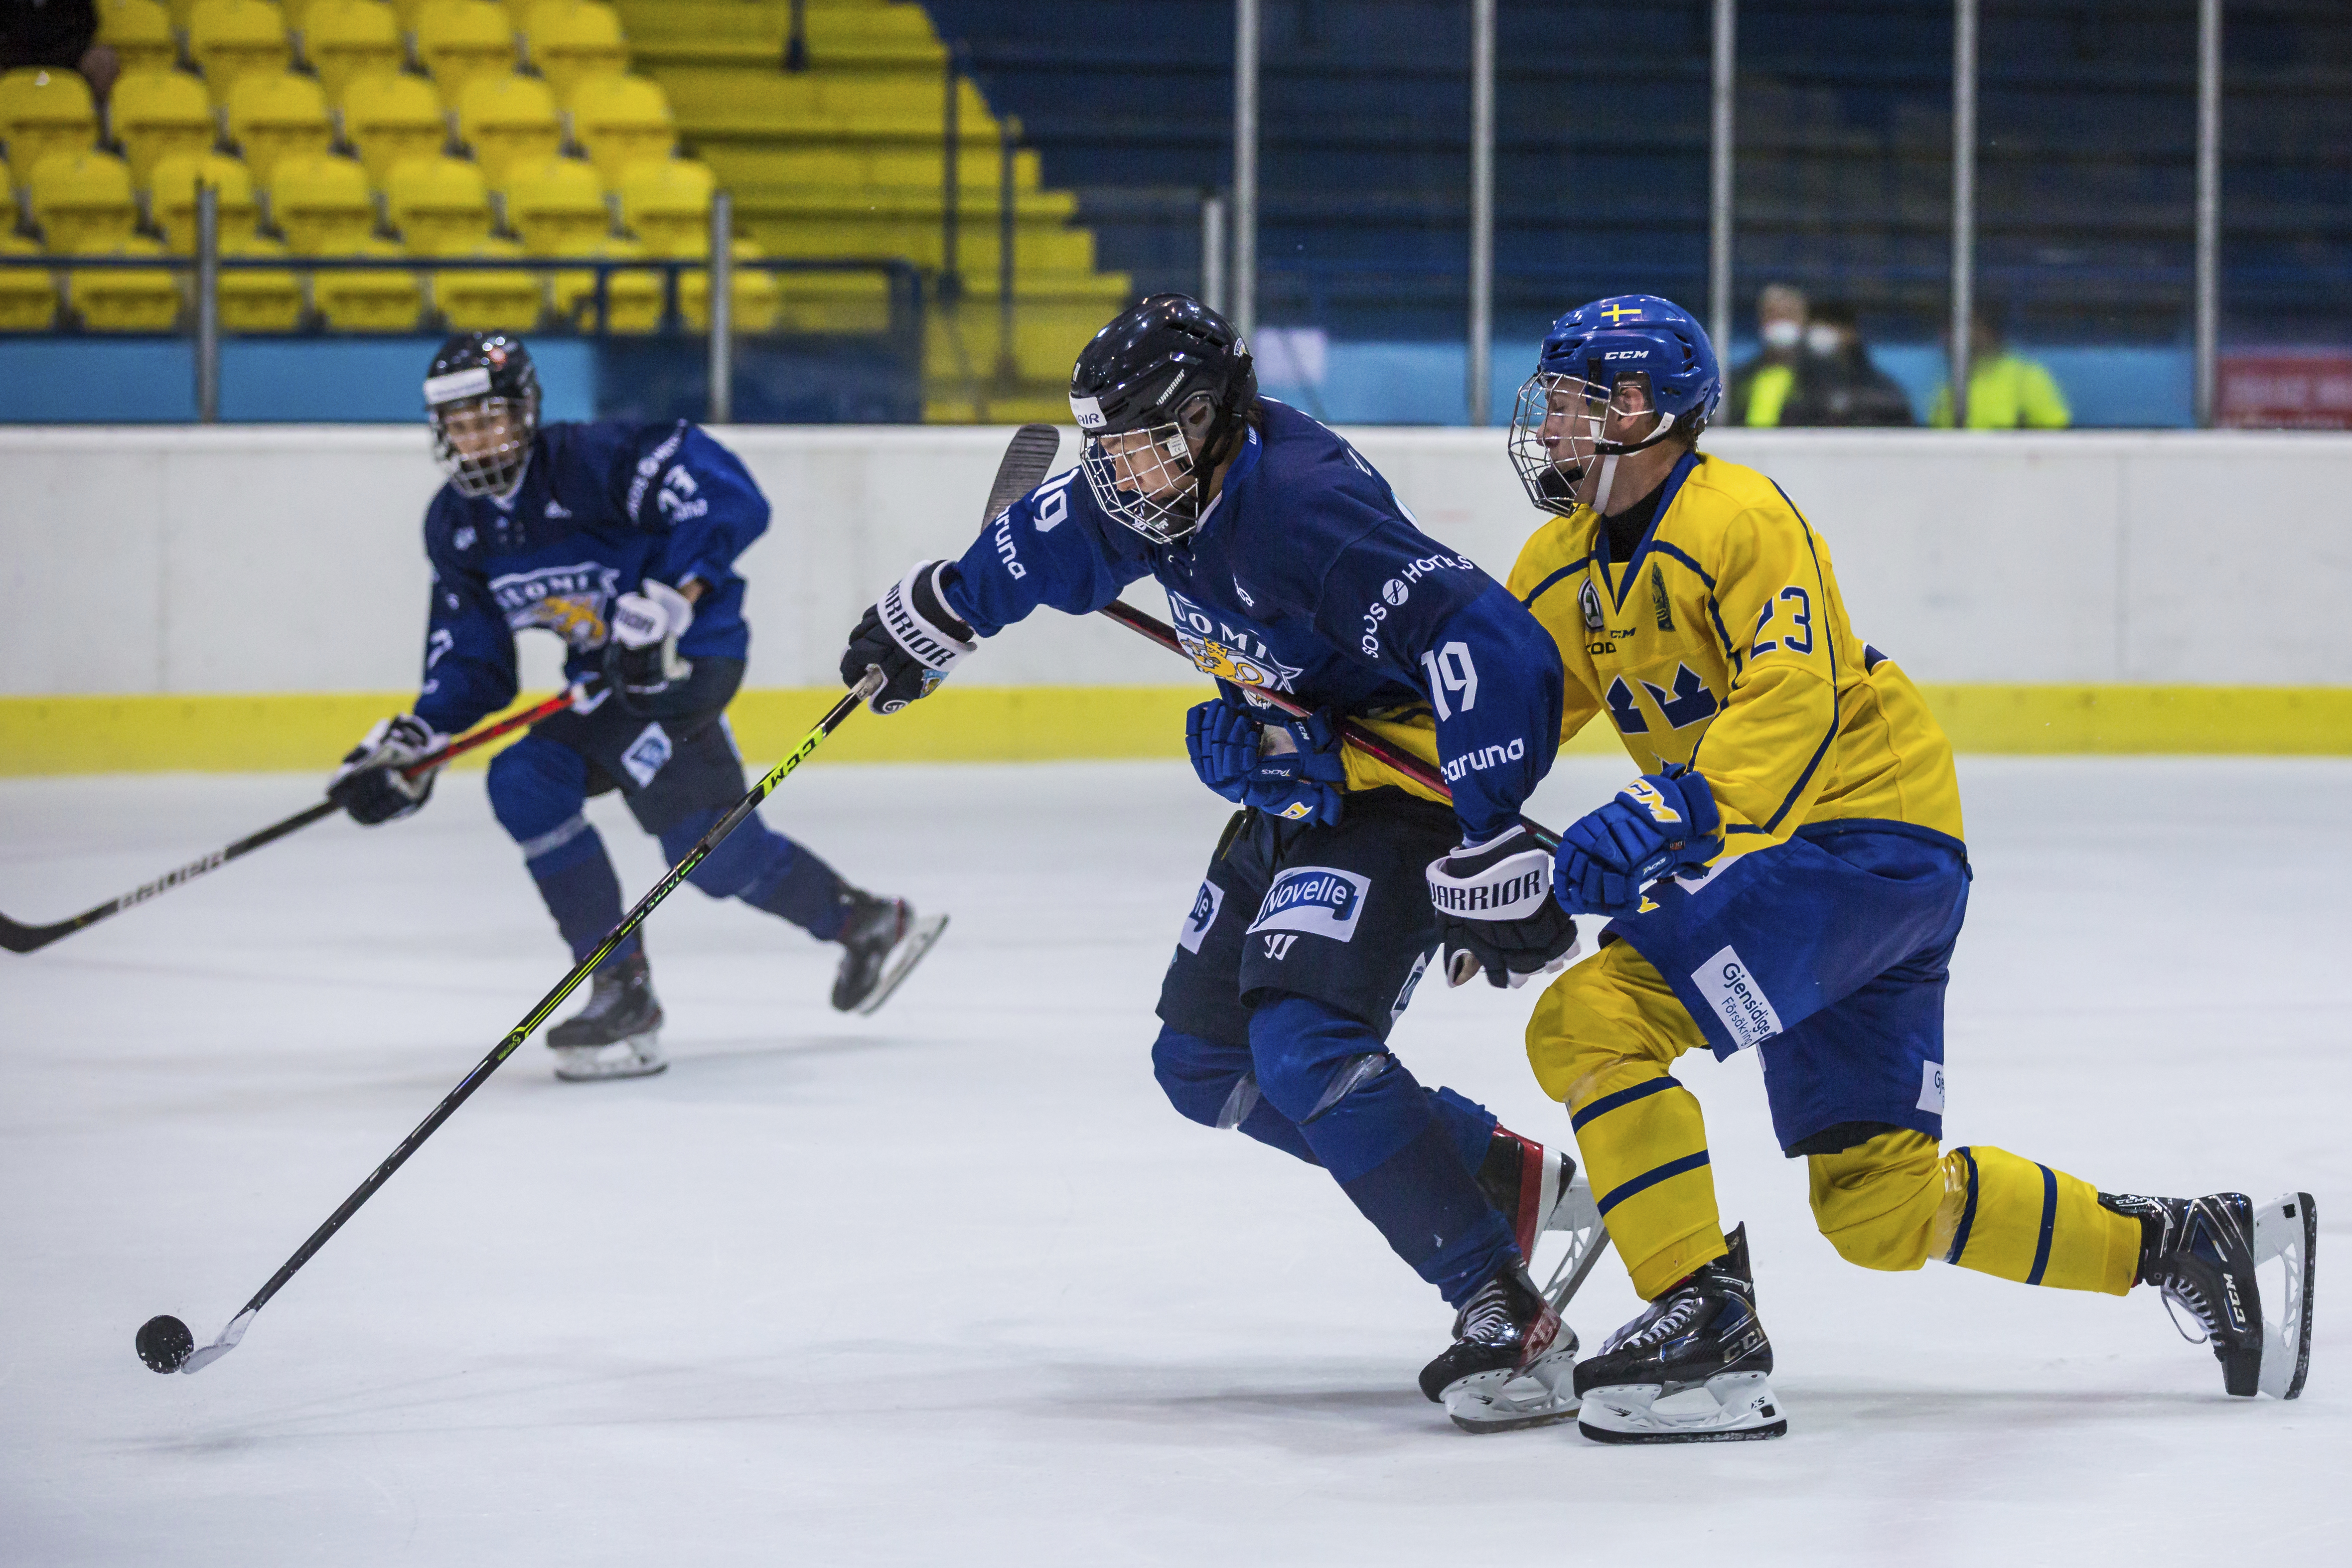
1603,367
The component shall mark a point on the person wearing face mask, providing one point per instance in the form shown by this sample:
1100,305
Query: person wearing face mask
2006,390
1837,383
1761,388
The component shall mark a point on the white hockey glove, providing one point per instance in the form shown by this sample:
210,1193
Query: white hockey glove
642,659
1495,908
369,784
912,635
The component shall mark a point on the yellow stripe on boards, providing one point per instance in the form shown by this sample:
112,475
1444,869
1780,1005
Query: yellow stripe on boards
305,732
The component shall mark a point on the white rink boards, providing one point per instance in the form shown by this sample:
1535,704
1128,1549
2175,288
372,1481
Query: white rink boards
954,1284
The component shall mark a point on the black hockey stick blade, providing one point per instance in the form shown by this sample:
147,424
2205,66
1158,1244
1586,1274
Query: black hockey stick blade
1028,458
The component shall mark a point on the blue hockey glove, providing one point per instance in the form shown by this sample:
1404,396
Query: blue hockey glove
1295,771
1217,735
1659,824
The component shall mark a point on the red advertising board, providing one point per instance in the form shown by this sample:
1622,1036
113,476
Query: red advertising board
2286,389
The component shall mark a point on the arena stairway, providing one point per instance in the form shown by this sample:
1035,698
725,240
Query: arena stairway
844,159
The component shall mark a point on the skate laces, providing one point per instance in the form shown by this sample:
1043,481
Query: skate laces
1487,1319
1670,1321
2178,1294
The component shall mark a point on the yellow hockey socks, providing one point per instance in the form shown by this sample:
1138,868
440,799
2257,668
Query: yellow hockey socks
2009,1216
1644,1148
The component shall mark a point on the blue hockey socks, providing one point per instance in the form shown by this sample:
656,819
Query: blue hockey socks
765,869
1403,1156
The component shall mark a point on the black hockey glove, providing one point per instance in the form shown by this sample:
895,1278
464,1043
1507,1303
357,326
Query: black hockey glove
642,659
911,634
1496,912
369,784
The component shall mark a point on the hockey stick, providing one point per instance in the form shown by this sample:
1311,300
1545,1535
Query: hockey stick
1351,732
21,938
164,1343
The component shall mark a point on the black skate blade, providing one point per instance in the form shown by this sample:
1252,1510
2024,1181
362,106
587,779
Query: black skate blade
917,942
2286,1229
1753,1434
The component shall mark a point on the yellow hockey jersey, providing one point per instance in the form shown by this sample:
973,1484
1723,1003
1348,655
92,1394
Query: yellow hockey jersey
1723,643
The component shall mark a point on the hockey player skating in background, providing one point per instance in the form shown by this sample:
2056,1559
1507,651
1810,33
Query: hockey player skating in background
621,539
1798,805
1289,565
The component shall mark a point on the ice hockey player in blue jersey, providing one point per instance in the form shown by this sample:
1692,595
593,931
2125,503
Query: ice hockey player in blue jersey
621,539
1290,565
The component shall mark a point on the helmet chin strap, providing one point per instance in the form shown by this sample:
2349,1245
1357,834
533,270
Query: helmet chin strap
1608,481
1626,449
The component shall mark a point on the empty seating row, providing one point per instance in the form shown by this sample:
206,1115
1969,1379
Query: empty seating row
386,118
451,41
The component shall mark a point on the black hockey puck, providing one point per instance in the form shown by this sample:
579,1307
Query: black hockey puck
165,1343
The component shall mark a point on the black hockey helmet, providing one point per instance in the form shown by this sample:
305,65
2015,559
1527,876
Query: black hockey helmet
1173,377
482,396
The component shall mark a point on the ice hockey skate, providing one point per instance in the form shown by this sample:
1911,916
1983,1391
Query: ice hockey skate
2208,1256
1539,1190
1512,1363
1696,1367
882,940
617,1034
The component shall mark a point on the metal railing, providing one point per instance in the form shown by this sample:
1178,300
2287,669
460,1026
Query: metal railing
592,315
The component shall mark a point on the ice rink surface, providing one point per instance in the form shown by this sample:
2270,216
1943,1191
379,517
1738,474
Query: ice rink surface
953,1284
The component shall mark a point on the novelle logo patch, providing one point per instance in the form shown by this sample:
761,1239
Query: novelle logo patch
647,754
1205,905
1737,999
1318,900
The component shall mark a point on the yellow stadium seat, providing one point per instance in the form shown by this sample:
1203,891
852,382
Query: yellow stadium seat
43,111
83,202
367,301
230,38
457,40
158,113
278,116
556,205
486,301
391,118
139,34
633,300
171,198
321,205
666,202
125,300
258,300
28,296
345,38
508,120
620,120
440,205
573,41
758,301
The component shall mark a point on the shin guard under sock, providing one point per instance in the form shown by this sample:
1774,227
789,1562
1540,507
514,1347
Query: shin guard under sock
1646,1147
577,881
2008,1217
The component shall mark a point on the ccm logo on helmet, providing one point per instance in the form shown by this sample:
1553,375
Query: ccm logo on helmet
1627,354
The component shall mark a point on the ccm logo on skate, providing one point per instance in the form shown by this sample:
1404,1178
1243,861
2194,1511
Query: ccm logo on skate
1321,901
1205,905
1745,1011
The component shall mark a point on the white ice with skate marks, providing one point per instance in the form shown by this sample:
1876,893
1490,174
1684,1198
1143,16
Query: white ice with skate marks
952,1283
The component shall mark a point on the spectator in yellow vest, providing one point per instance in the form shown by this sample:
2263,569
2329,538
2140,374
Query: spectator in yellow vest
1761,387
2006,390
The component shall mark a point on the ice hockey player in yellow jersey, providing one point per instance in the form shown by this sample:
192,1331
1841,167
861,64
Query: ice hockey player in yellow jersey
1789,874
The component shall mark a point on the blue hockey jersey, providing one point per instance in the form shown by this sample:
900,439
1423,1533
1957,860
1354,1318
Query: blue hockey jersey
1309,577
601,508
